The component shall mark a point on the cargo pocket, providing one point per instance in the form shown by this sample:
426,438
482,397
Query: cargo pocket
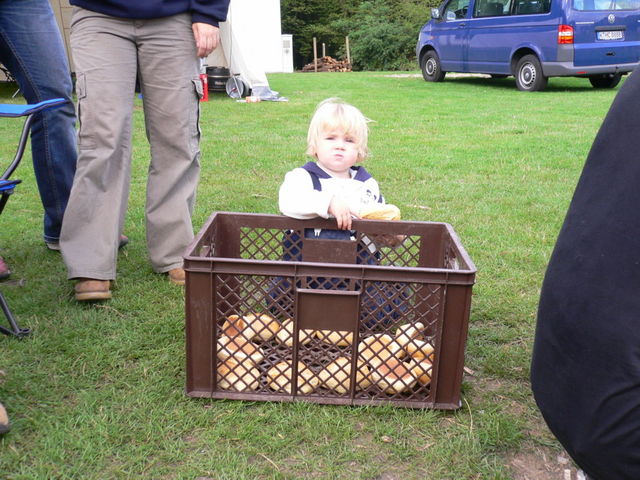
194,120
86,141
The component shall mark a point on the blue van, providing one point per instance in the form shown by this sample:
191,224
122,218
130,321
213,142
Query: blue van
532,40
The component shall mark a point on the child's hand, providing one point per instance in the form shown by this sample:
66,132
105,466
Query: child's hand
340,209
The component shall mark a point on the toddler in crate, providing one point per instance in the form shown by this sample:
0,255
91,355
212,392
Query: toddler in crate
334,187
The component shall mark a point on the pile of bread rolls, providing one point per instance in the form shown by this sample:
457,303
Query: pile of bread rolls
239,355
392,363
279,377
336,376
398,363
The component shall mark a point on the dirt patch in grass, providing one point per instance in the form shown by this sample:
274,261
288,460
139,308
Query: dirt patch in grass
390,476
536,460
543,464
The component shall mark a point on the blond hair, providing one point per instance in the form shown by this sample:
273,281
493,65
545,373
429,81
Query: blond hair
333,114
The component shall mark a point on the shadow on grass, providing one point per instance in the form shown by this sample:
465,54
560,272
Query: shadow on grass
554,85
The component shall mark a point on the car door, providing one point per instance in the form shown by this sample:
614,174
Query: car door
451,33
606,31
490,37
499,27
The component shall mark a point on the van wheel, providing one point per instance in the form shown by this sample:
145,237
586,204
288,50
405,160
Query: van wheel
431,68
529,77
608,80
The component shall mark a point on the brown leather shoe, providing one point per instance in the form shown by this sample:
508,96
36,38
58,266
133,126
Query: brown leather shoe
89,289
177,276
4,420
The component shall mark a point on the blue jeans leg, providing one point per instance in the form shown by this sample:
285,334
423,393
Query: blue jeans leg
31,48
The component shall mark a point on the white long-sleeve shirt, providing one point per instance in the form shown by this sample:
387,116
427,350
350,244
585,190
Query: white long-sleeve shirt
299,199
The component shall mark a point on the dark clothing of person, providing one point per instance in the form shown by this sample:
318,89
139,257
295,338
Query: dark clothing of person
202,11
585,371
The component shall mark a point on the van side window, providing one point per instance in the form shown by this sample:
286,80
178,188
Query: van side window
491,8
528,7
603,5
456,9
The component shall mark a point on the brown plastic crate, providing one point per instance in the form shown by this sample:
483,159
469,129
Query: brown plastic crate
234,269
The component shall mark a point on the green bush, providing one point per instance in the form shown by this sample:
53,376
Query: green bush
383,34
306,20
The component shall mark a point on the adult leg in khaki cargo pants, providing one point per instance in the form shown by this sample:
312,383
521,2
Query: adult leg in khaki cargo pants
170,88
107,52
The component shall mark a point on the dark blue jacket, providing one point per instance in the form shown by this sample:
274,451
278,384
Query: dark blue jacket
204,11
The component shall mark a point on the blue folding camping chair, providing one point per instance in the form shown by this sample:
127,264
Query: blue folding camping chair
7,186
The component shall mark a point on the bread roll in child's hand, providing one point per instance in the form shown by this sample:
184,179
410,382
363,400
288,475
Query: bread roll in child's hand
380,211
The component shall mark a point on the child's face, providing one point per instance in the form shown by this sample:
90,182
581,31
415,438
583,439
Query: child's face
337,152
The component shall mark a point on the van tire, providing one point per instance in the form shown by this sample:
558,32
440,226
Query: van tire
529,77
431,67
608,80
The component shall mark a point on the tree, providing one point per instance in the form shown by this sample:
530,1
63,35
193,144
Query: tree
305,20
383,33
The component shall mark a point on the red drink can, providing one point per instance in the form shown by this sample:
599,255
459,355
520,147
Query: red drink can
205,87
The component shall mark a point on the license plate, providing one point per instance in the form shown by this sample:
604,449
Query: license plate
611,35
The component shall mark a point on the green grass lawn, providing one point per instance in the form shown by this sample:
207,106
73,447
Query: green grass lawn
97,391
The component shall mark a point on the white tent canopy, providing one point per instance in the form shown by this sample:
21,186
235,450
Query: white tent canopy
250,44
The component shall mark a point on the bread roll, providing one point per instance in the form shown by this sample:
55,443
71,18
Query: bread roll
279,378
239,348
423,371
408,332
380,211
234,325
238,376
261,326
379,347
419,349
394,376
411,339
285,335
337,375
341,338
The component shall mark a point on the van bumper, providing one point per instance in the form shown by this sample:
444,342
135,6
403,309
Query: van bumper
568,69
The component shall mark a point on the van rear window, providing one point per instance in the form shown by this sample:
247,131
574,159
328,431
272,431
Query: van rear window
606,5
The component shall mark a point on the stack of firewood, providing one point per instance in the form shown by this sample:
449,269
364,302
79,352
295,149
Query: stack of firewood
328,64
